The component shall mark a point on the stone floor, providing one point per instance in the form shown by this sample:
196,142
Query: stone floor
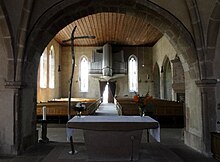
170,149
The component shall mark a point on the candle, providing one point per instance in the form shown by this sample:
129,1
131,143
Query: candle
44,112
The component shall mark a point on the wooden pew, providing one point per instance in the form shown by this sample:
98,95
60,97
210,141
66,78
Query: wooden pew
126,106
168,113
59,108
168,108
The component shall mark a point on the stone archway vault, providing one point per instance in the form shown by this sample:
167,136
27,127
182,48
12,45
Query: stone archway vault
61,14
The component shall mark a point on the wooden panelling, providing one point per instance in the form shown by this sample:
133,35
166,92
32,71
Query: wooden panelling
113,28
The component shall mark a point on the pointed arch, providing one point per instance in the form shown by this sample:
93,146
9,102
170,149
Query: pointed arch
213,39
52,20
133,73
6,43
51,67
166,79
84,73
43,69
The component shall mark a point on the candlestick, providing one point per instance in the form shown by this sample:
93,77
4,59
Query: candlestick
44,112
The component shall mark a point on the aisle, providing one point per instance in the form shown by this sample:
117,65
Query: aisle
107,109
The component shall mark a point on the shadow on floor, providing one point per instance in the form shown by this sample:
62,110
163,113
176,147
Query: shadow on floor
170,149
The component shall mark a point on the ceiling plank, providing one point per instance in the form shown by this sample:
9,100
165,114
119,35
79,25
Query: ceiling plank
116,28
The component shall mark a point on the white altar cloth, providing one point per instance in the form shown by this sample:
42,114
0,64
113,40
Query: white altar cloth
114,123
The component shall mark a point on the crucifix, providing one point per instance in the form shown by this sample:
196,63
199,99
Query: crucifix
72,38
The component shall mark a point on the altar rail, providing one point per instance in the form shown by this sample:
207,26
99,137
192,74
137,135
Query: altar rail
58,109
168,113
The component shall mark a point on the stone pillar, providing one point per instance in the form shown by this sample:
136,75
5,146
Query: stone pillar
178,79
162,82
209,111
19,134
13,87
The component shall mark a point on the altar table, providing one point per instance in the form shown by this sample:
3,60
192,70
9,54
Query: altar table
111,138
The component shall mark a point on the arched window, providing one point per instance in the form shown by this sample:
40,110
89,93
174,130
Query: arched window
133,74
51,67
43,69
84,69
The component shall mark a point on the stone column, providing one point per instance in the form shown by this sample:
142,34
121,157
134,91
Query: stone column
178,78
14,88
162,82
209,111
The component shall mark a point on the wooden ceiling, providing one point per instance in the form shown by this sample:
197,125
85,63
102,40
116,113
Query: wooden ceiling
114,28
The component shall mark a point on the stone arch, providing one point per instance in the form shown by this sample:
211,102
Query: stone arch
52,20
7,53
166,79
212,58
178,84
63,13
212,35
15,43
156,78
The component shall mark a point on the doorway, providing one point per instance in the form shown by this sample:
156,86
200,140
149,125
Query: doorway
105,94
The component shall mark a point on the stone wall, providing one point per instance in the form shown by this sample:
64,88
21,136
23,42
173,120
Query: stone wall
66,59
3,62
7,124
145,68
193,135
217,73
163,51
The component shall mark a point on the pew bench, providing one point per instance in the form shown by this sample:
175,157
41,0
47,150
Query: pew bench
168,113
59,109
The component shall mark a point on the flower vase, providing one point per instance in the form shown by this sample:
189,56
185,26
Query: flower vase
78,113
142,113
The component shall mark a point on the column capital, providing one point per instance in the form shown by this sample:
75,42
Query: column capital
14,84
206,83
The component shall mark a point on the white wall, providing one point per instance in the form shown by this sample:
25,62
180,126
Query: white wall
45,94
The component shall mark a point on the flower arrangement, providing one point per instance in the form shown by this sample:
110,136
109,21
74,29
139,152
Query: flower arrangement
136,98
145,104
